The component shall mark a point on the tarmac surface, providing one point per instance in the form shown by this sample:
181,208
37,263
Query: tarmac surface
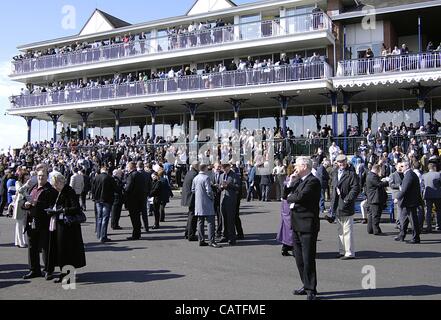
165,266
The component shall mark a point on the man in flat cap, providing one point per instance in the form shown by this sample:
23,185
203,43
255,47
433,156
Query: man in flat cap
345,189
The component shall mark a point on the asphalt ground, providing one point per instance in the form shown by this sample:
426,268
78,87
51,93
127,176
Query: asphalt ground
165,266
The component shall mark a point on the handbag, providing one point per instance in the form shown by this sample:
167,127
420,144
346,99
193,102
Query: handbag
78,218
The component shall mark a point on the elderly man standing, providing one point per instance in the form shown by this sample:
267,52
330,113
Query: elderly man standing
409,199
304,198
432,195
345,189
43,197
188,201
204,206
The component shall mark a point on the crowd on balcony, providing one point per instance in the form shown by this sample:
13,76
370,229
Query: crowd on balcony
202,33
263,71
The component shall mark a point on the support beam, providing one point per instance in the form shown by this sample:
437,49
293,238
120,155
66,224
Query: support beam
347,96
236,104
85,117
153,110
55,117
421,94
29,125
117,114
284,101
192,108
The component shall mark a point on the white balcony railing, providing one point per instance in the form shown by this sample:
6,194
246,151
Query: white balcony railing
389,64
232,33
229,79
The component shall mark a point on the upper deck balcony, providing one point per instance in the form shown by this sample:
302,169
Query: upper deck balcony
389,69
301,28
274,79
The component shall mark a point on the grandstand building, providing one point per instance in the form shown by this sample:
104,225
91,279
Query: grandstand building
298,64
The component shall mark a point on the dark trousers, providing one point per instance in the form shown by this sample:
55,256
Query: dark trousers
322,199
115,214
37,238
305,249
220,223
83,200
409,214
162,212
135,218
265,191
157,212
429,206
192,222
374,216
229,218
144,216
3,202
237,221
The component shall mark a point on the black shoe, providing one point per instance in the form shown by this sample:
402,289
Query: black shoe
32,275
223,240
285,253
311,296
193,239
364,221
215,245
329,219
117,228
203,244
299,292
414,241
339,256
240,237
232,243
105,240
49,276
155,227
133,238
399,239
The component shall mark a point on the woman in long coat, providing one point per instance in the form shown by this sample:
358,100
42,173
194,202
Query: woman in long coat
20,214
68,244
285,232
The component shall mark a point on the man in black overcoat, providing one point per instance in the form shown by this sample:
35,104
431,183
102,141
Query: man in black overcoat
304,199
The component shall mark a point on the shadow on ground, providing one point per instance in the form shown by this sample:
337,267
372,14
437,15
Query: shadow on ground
415,291
126,276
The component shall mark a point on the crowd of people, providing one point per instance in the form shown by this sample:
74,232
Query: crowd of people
201,33
140,174
264,70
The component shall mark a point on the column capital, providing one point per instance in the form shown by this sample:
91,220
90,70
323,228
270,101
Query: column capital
284,100
334,109
236,103
55,117
117,113
153,110
345,108
84,115
421,104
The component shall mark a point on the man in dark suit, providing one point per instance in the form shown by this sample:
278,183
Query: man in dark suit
188,201
217,195
146,181
409,199
304,199
376,199
135,199
230,187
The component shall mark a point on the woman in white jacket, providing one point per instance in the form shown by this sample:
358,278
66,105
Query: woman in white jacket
20,215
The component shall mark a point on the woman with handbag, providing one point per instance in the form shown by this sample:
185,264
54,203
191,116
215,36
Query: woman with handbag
20,213
66,219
